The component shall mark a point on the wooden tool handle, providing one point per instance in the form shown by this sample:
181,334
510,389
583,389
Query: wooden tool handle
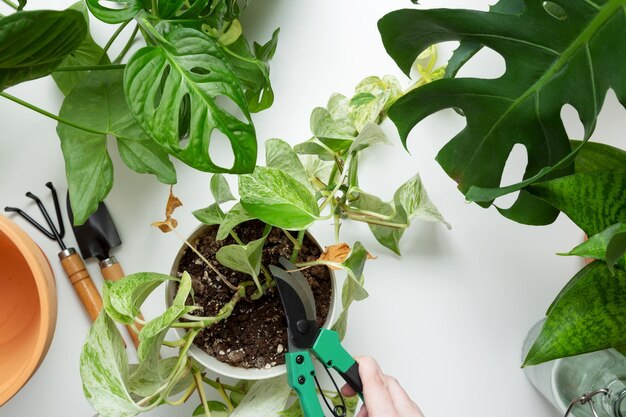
81,281
112,271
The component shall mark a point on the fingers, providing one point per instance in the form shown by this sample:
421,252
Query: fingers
375,390
347,391
402,402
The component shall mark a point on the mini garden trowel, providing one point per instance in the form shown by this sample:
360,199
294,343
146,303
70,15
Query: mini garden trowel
95,238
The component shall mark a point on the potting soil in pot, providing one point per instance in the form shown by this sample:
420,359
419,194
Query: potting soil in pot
255,335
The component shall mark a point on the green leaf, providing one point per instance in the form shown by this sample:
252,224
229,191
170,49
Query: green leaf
587,316
615,250
351,403
104,371
593,200
98,103
220,189
244,258
266,398
185,74
335,134
210,215
294,410
123,10
253,71
144,156
410,201
278,154
34,43
315,147
168,8
153,333
217,409
233,218
596,246
275,198
244,387
122,299
371,134
550,62
598,157
87,53
371,98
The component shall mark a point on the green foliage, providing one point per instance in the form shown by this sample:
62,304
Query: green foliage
97,103
598,157
184,74
273,196
245,258
586,316
217,408
45,37
605,246
235,216
549,62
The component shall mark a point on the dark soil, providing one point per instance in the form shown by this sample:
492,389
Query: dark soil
255,335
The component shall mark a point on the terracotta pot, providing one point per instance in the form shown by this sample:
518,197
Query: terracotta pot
225,369
28,308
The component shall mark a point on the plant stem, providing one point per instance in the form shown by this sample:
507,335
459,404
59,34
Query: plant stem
185,396
344,172
10,4
222,393
205,260
234,236
370,220
112,39
48,114
373,214
89,68
297,246
197,377
127,47
337,227
175,343
216,384
202,322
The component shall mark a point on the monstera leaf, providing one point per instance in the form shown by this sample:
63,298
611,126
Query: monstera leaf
173,90
556,54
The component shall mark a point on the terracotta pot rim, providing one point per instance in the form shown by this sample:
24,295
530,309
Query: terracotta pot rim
46,290
225,369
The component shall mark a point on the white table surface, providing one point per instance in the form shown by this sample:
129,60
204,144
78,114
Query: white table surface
447,319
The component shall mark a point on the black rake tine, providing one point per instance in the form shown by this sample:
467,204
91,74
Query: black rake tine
57,207
29,220
46,216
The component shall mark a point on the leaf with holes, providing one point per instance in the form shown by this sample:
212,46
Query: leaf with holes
184,75
34,43
550,61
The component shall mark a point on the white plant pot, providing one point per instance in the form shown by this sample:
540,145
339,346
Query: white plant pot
221,368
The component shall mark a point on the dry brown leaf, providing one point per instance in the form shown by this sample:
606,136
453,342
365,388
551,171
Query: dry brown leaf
338,253
169,223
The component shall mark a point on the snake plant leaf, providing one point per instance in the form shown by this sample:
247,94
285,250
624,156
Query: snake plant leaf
586,316
274,197
596,156
98,104
253,71
119,12
220,189
34,43
280,155
87,53
593,200
550,62
104,371
597,246
235,216
122,299
615,251
187,70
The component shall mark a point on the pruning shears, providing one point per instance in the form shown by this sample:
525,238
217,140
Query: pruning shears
304,336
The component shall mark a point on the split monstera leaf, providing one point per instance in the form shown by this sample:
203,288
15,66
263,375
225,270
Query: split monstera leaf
556,53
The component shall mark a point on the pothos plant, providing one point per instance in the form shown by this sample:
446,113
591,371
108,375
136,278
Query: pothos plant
556,53
196,75
291,193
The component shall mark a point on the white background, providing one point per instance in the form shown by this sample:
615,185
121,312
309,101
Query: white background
447,319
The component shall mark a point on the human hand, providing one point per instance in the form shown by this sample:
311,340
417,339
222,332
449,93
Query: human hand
384,397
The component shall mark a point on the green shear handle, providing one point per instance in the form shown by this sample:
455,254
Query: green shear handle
301,372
